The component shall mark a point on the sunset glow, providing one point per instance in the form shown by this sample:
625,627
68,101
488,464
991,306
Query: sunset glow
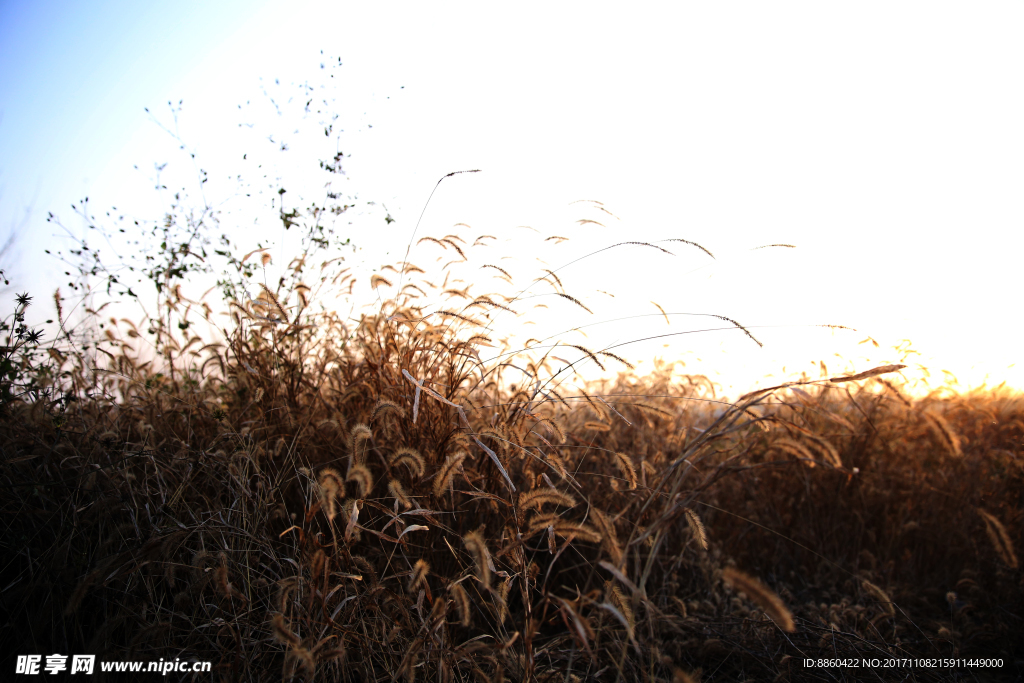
886,152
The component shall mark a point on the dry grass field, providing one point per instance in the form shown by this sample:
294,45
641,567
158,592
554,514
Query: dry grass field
400,498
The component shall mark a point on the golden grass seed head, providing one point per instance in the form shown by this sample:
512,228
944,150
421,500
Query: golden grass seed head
363,478
757,420
577,531
794,448
741,327
578,303
649,472
407,669
626,468
765,598
565,528
285,588
438,611
540,521
873,372
398,491
503,591
516,556
477,548
1000,538
282,631
409,458
558,466
595,403
220,575
384,406
331,490
499,436
680,676
539,496
329,475
609,538
459,316
359,432
881,596
328,425
946,435
827,450
318,563
445,473
652,410
363,565
462,604
461,440
554,392
618,358
623,605
302,657
556,429
379,280
418,575
446,240
896,392
500,270
270,297
357,435
696,528
57,301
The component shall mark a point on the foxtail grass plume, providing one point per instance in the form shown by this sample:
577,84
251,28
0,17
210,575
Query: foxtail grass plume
763,596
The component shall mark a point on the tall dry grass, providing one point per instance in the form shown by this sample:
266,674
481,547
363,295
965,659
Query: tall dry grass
391,500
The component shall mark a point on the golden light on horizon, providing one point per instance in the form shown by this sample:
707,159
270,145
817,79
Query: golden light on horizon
583,283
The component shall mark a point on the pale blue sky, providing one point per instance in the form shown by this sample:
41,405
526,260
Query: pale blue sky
882,138
75,79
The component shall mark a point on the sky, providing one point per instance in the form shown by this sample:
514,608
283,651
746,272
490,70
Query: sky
881,139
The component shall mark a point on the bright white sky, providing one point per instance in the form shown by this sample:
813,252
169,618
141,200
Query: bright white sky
882,139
